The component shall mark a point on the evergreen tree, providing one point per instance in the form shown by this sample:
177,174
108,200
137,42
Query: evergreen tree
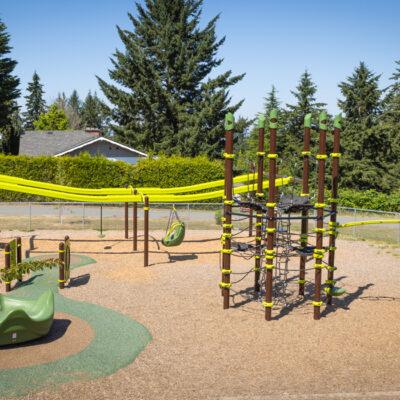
9,91
12,133
73,111
367,157
54,120
35,104
306,103
165,99
271,101
361,93
94,112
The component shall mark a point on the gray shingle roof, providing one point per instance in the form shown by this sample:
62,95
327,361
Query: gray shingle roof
49,143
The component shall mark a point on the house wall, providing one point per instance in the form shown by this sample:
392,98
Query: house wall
110,151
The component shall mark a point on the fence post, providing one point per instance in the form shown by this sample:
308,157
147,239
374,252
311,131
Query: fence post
355,218
7,264
30,216
19,253
61,275
134,223
101,220
188,219
146,231
83,216
126,220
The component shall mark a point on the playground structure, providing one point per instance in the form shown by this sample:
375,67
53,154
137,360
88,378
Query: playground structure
275,242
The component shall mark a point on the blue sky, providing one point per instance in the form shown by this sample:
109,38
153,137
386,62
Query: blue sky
69,42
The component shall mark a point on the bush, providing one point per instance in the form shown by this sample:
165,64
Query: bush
98,172
370,199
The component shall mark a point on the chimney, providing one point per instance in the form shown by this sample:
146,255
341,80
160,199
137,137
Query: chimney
93,131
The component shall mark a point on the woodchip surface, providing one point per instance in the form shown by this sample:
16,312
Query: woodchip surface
200,351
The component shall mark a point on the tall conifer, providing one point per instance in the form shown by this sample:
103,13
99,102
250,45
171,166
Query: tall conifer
35,104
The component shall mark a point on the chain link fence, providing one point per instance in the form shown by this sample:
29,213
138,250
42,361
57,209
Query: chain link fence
102,217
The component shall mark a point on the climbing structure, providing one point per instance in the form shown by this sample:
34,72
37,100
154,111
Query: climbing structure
276,242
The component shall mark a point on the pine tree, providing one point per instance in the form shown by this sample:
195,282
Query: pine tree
73,111
35,104
271,101
94,112
54,120
9,91
361,93
165,99
12,133
306,103
366,162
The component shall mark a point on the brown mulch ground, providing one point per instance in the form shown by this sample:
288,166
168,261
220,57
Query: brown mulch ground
201,351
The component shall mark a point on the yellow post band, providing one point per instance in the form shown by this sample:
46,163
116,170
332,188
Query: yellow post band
259,194
306,153
224,285
7,252
61,251
271,230
318,266
331,223
272,155
226,271
267,304
269,257
228,202
322,156
61,280
331,268
317,303
261,153
259,215
258,238
337,155
269,252
319,230
270,204
301,281
304,194
259,224
257,257
269,266
146,208
227,155
330,281
226,251
319,205
227,225
7,282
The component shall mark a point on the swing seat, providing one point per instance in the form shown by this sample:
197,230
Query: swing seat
174,235
335,291
24,320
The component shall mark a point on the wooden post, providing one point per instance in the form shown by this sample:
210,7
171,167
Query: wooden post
337,125
305,193
251,222
135,223
19,254
259,195
146,209
225,283
126,220
7,264
271,219
319,251
61,275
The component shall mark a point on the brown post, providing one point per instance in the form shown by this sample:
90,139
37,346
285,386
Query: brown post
319,251
146,209
134,223
7,264
271,219
225,283
61,275
260,195
251,222
334,199
305,193
19,254
126,220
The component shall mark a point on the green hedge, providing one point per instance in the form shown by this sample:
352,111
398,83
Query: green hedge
98,172
370,199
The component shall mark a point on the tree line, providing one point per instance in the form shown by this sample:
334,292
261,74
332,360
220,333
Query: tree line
163,98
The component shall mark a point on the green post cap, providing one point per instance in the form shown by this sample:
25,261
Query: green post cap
229,121
337,122
273,119
322,121
307,121
261,121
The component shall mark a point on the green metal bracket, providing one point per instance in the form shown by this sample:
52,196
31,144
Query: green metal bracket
337,122
229,121
322,121
273,119
261,121
307,121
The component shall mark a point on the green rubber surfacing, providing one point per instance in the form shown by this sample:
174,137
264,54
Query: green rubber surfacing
117,342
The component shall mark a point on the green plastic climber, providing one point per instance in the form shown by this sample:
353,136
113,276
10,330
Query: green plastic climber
24,320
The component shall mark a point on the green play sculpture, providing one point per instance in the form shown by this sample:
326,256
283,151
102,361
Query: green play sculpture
24,320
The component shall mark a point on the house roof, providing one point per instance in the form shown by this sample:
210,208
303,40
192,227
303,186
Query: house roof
58,143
